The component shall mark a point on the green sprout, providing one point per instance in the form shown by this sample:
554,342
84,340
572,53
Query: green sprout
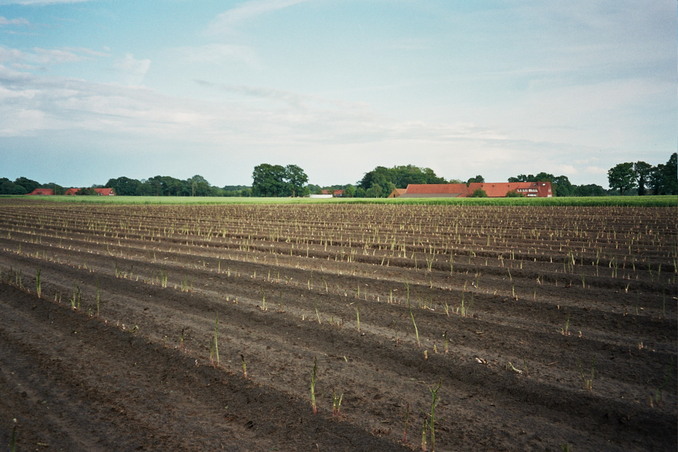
214,347
314,378
38,284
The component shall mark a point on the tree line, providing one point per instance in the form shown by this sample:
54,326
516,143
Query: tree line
125,186
629,178
644,178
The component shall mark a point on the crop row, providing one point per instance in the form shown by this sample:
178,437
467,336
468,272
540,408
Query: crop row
394,300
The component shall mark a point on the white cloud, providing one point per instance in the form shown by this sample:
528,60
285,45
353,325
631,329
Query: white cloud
11,55
133,70
6,21
41,58
246,11
54,56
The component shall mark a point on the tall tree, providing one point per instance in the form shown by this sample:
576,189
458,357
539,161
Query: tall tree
402,176
268,180
562,186
588,190
671,174
642,171
296,180
622,177
522,178
199,186
124,186
278,180
476,179
381,181
28,184
664,177
7,187
377,183
656,181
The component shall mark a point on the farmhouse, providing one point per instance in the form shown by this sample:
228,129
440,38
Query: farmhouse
42,192
100,191
333,193
493,190
397,192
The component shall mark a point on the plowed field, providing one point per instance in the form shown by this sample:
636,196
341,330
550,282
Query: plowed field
165,327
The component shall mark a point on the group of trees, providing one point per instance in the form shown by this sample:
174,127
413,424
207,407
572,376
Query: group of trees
171,186
125,186
380,182
163,186
561,185
23,185
645,178
276,180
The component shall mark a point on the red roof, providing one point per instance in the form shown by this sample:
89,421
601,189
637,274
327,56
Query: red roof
100,191
493,190
42,191
105,191
436,189
332,192
397,192
433,190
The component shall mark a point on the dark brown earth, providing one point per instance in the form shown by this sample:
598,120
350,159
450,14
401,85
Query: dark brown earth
544,328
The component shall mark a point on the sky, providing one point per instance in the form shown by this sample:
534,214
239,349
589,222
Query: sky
97,89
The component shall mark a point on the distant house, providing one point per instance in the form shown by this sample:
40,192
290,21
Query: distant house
99,191
333,193
105,191
493,190
42,192
397,192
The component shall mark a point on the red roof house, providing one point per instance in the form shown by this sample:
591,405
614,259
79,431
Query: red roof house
42,191
397,192
493,190
105,191
100,191
501,189
334,193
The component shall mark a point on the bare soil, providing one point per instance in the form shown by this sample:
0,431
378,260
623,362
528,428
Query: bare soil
543,328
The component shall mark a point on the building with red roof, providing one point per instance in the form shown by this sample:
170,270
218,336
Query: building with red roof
333,193
492,189
397,192
42,192
99,191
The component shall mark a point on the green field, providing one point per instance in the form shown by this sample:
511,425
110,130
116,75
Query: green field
648,201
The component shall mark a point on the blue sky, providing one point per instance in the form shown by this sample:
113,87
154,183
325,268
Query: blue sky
97,89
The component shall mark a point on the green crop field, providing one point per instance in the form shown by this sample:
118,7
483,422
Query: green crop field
649,201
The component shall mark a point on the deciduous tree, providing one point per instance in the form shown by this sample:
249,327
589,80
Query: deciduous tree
642,172
277,180
622,177
477,179
296,180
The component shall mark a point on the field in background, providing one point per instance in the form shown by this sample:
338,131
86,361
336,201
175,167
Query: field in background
187,326
649,201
